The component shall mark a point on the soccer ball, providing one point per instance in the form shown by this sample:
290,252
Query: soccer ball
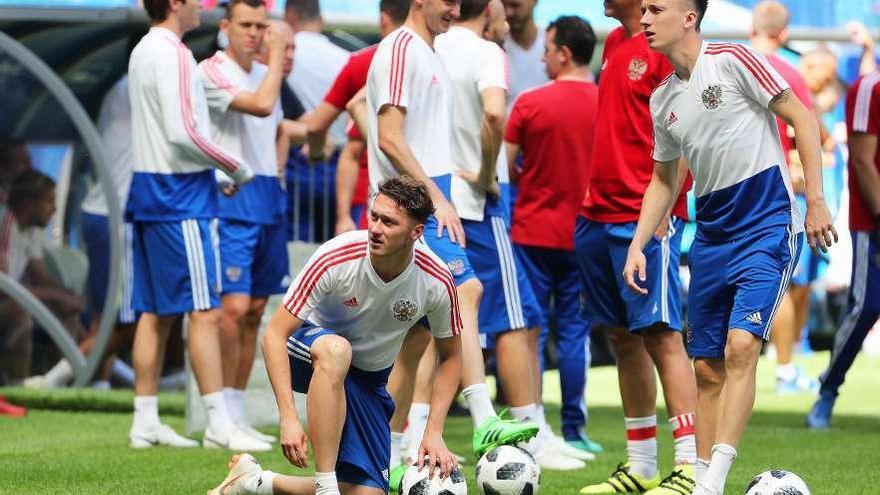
508,470
777,482
416,482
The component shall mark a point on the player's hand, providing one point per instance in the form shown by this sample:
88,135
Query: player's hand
860,35
229,189
663,229
447,218
434,454
635,270
474,180
344,224
819,227
274,41
294,443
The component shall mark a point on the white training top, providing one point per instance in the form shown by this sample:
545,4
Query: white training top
720,122
316,63
339,290
114,125
18,246
485,66
407,73
527,68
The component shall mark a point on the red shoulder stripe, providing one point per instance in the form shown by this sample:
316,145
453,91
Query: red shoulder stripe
315,270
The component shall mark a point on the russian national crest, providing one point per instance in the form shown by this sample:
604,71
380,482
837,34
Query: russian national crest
712,97
233,273
404,310
637,68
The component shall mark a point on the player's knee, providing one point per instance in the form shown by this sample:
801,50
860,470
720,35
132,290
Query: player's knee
209,318
742,350
709,374
624,342
332,353
470,292
235,308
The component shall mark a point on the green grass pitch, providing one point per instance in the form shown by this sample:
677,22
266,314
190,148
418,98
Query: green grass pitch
61,452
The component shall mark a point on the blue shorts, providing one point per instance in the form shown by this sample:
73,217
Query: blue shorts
601,250
365,447
96,237
508,302
176,266
807,269
450,252
737,284
253,258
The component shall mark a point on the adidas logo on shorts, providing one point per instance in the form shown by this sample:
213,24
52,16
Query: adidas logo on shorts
755,318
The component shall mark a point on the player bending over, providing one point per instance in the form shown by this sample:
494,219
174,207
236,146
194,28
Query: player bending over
336,337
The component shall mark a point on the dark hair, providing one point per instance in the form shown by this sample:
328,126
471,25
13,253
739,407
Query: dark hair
7,147
472,8
250,3
306,10
577,34
28,186
397,10
158,9
409,194
700,6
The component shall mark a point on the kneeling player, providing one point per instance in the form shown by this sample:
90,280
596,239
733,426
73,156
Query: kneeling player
342,324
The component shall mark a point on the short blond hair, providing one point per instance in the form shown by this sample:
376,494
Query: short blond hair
770,18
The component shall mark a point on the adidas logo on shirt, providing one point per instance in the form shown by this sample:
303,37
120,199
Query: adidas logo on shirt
672,119
755,318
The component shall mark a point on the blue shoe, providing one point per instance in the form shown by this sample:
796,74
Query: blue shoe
584,443
801,383
820,415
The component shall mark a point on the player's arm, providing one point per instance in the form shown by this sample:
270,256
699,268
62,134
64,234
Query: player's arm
346,181
48,290
392,142
261,102
658,200
446,381
357,109
682,172
318,122
862,150
293,438
512,151
819,225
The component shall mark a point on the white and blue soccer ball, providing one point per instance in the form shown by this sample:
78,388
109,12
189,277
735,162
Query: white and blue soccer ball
416,482
777,482
508,470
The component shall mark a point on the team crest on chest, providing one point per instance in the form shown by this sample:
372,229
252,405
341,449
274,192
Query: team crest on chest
712,97
637,68
404,310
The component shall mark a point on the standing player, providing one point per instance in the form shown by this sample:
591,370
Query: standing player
342,324
508,307
553,126
863,126
246,117
718,111
172,204
524,46
643,331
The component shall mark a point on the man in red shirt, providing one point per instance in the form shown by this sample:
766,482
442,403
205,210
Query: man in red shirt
863,129
351,183
643,330
553,127
769,34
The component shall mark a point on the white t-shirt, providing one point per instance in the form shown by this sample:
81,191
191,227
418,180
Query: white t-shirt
18,246
484,67
316,63
114,124
407,73
338,289
249,136
527,69
720,122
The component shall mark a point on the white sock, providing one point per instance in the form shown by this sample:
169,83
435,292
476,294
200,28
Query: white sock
218,414
716,476
396,440
262,484
641,445
529,413
786,372
542,418
60,374
479,403
146,412
418,420
700,468
234,403
685,439
325,484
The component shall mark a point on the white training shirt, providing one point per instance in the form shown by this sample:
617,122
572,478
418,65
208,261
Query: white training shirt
720,122
339,290
485,66
316,63
18,246
527,68
407,73
114,125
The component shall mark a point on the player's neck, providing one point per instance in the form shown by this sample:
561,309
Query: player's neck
172,24
246,62
416,23
574,73
526,36
476,25
684,55
765,45
632,24
390,266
